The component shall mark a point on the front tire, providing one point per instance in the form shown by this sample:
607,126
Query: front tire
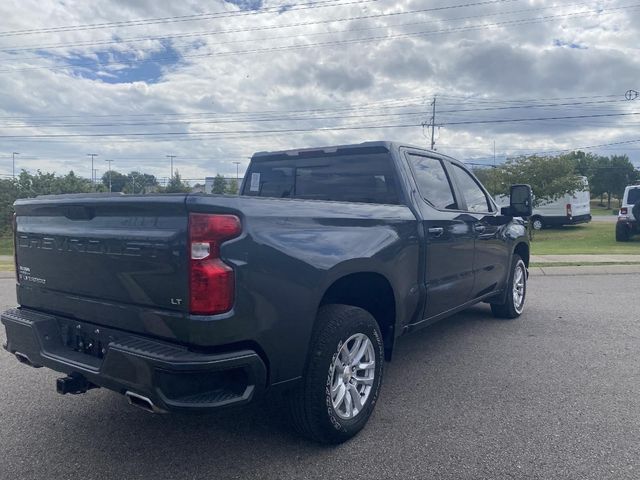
516,291
343,375
537,223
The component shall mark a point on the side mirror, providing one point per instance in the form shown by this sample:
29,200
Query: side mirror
520,202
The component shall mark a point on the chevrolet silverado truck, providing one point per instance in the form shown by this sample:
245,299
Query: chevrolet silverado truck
300,285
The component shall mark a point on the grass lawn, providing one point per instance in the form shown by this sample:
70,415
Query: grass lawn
594,237
598,210
6,245
6,266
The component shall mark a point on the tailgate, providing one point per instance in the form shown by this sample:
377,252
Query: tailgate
79,251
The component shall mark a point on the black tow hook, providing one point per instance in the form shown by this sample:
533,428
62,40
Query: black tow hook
73,384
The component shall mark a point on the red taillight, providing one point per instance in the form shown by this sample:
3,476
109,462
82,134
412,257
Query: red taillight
211,281
624,211
568,209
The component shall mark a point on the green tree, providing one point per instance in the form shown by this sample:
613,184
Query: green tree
583,163
233,187
118,181
176,185
138,182
549,177
32,185
491,178
611,175
8,195
71,183
219,184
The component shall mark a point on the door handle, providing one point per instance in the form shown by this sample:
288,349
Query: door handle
479,228
436,231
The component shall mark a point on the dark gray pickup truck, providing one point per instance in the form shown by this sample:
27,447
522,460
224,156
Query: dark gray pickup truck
301,284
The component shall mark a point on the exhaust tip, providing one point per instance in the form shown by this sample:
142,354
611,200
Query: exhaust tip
142,402
22,358
25,360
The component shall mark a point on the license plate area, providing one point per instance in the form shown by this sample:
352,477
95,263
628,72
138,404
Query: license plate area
86,339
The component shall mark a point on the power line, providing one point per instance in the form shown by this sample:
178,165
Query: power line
318,129
301,118
291,25
182,18
389,103
570,117
377,105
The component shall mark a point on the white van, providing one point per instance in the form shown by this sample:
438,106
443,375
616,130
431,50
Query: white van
566,210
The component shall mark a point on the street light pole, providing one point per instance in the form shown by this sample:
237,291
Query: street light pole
13,158
237,170
109,162
171,157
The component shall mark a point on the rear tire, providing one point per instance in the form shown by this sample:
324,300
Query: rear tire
319,405
622,232
516,291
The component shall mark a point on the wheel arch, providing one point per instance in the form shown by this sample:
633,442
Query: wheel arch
522,249
372,292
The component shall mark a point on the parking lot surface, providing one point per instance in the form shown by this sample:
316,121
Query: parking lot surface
555,394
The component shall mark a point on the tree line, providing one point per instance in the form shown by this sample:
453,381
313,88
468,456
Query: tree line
28,185
551,177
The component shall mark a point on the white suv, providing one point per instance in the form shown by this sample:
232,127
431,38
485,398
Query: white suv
629,214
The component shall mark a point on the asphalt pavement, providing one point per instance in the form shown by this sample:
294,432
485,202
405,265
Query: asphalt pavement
553,395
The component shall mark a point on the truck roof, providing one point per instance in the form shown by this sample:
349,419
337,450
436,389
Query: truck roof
383,144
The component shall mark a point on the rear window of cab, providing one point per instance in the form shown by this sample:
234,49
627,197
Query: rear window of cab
365,178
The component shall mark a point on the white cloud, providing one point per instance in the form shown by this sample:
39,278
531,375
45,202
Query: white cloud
487,57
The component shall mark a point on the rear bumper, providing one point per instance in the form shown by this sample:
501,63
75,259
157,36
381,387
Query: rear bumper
580,219
171,376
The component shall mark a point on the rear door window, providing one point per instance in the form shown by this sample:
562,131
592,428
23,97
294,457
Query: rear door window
368,178
433,182
633,196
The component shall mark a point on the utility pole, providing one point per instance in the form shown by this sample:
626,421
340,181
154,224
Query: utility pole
171,157
13,158
93,182
433,124
109,162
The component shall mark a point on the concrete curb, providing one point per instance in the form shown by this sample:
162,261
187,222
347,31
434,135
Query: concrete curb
585,270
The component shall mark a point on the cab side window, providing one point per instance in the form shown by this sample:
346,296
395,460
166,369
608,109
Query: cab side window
474,196
433,182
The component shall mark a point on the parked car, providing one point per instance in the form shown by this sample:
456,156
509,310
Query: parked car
302,284
629,214
570,209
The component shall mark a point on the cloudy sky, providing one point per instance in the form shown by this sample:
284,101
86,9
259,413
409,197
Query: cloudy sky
213,81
